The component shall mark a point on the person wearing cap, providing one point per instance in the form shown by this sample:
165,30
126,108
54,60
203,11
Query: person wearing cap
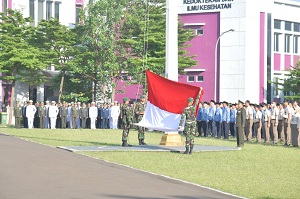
93,113
83,114
188,121
18,115
64,114
218,121
74,115
52,112
240,123
30,111
126,121
47,121
225,119
249,119
232,120
140,110
42,115
287,123
211,114
115,112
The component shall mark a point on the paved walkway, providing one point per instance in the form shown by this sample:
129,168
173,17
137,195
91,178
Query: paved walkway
34,171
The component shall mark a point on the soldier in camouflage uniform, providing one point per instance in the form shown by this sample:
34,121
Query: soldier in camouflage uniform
139,110
189,116
42,115
126,121
18,114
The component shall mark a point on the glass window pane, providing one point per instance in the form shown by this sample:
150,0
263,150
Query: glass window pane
40,10
277,24
199,78
48,10
56,11
288,25
191,78
31,9
296,27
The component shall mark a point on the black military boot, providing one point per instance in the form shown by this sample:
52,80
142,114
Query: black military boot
191,149
125,144
143,142
187,149
140,142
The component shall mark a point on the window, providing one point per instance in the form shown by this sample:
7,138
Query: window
5,5
56,10
200,78
287,43
199,32
78,8
276,42
296,44
190,78
31,10
40,10
296,27
277,24
288,25
48,10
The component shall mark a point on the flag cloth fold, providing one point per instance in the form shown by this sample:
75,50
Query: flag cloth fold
166,101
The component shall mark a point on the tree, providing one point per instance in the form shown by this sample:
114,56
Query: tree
57,43
292,83
19,60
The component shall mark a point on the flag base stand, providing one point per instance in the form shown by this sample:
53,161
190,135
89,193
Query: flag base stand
171,140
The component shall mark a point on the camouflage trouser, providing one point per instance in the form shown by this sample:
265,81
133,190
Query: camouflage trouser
141,130
189,132
125,133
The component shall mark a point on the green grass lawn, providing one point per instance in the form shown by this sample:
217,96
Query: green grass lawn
257,171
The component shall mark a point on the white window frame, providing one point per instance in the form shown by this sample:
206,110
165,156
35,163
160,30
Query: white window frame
200,76
190,76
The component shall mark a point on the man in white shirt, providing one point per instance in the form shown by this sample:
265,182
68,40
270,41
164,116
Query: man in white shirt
52,112
267,123
115,112
280,127
274,122
257,123
295,125
30,111
93,114
287,123
249,121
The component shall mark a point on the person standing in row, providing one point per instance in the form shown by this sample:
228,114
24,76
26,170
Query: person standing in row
126,121
115,112
218,121
18,115
233,120
287,123
274,123
30,112
83,115
104,117
47,121
25,122
280,128
36,120
74,115
295,125
249,123
93,112
267,123
140,110
211,114
52,112
64,115
42,115
257,123
226,119
240,124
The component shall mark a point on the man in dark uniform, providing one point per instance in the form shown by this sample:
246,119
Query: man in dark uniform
25,123
64,115
36,121
139,110
99,121
18,115
42,115
83,115
58,120
240,124
74,115
126,121
188,121
104,117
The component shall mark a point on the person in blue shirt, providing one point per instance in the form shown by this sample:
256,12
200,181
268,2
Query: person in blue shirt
199,124
225,119
218,121
232,120
210,117
202,119
104,117
261,108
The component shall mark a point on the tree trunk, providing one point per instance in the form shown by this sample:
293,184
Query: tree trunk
113,93
61,85
95,91
11,106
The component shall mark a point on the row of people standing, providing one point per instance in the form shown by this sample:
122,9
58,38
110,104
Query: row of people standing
270,122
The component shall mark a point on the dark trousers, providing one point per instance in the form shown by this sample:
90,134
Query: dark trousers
58,122
88,123
17,122
232,129
104,123
98,123
42,122
63,120
83,122
226,130
211,127
218,129
36,122
74,122
240,136
204,127
25,123
199,127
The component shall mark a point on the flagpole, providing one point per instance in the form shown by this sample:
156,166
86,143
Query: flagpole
171,69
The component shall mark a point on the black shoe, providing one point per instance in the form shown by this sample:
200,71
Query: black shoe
140,142
125,144
187,149
143,142
191,149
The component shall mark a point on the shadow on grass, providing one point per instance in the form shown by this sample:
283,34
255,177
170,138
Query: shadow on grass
82,143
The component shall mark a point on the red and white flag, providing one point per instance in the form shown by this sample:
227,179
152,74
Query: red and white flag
166,101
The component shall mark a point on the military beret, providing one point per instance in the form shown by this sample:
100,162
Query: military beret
125,99
240,102
190,99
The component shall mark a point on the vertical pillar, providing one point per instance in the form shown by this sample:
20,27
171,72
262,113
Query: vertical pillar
172,41
40,93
